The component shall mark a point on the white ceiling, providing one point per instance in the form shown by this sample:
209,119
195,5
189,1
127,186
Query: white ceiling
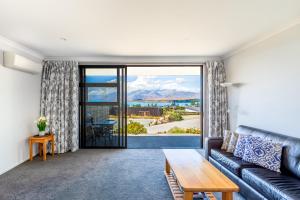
141,27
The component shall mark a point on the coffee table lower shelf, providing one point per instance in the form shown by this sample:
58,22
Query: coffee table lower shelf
176,191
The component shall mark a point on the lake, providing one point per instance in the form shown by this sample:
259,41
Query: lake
160,103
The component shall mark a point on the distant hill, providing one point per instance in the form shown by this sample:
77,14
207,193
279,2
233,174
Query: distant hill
161,95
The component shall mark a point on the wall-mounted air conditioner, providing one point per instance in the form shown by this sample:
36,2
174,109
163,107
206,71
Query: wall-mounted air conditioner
21,63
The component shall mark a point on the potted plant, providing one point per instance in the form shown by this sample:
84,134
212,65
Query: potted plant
42,124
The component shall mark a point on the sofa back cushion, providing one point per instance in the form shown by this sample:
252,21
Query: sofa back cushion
232,143
226,139
290,159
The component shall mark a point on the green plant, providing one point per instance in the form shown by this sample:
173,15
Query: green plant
41,123
193,130
178,130
174,116
136,128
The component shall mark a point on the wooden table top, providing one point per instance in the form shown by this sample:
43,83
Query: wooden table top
196,174
44,137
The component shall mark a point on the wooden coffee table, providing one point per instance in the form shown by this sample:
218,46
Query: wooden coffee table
195,174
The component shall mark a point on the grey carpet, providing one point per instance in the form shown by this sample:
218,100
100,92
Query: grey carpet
131,174
161,142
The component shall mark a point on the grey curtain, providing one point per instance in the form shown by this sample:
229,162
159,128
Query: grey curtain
60,101
217,108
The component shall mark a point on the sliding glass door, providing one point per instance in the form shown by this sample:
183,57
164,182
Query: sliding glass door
103,107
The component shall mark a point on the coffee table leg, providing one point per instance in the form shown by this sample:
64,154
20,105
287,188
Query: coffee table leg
188,195
227,196
167,167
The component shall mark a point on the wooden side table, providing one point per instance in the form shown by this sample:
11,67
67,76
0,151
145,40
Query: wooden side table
42,144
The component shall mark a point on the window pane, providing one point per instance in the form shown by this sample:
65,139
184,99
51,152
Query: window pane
101,124
101,75
102,94
165,100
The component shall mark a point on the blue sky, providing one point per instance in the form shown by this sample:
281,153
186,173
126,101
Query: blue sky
180,83
191,83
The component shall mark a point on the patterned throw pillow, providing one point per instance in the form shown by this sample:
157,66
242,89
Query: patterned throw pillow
251,141
232,143
264,153
240,145
226,139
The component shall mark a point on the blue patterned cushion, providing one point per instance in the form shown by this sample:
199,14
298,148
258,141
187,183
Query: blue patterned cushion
250,143
240,145
263,153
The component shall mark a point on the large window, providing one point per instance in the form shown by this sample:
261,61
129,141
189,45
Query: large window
165,101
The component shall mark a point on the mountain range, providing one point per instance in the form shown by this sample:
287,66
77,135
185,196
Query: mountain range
161,95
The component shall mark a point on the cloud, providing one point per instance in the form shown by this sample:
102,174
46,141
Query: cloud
180,80
100,92
112,81
144,82
154,83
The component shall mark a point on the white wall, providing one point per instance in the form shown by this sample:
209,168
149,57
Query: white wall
269,97
19,107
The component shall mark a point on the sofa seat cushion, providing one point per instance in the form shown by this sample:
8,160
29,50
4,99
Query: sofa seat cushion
273,185
230,162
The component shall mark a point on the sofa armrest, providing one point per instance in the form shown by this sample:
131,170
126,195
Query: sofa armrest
212,143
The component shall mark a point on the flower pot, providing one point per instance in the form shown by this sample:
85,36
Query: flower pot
42,133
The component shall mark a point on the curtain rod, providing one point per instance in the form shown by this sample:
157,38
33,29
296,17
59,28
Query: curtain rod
142,64
142,60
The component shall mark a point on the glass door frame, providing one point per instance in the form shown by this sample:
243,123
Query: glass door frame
121,103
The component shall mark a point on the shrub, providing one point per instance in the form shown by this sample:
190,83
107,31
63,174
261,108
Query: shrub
172,109
136,128
177,130
193,130
174,116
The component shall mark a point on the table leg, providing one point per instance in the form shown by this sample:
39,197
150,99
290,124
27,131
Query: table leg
40,149
167,167
188,195
227,196
52,147
44,150
30,150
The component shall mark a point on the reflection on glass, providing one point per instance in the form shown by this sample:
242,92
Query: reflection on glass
101,76
102,94
101,125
